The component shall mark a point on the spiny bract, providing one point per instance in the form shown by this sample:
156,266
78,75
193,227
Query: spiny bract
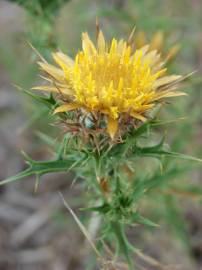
112,80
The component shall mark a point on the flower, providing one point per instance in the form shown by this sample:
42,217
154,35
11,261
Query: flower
110,80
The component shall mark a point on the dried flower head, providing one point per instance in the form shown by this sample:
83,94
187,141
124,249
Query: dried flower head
113,81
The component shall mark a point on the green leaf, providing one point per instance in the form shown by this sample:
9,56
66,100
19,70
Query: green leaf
130,141
16,177
155,152
142,220
124,245
141,130
153,148
101,209
158,123
63,146
43,167
48,101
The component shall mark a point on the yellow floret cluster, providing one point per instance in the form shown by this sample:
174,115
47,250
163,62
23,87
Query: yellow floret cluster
111,80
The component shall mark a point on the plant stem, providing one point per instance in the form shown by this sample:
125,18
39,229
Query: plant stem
124,246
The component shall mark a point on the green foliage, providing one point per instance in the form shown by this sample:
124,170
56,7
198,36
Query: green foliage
40,168
120,207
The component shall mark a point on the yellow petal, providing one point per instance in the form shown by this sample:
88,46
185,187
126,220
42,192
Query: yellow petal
62,64
168,93
157,41
144,49
112,127
172,52
140,39
166,80
54,89
66,107
65,59
46,88
143,108
113,47
151,57
121,46
160,73
87,45
138,116
175,94
54,72
101,42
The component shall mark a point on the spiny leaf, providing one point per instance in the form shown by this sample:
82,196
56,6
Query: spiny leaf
16,177
155,147
131,140
102,208
63,146
48,101
140,130
124,245
44,167
156,152
142,220
157,123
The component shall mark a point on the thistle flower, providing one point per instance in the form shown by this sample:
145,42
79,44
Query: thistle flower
112,81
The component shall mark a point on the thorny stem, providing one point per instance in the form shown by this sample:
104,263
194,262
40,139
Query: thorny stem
117,227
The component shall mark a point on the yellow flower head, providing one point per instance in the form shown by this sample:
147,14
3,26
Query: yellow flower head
110,80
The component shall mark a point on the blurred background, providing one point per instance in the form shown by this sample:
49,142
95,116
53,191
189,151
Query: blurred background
36,232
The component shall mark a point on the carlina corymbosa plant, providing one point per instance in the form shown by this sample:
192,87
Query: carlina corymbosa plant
106,102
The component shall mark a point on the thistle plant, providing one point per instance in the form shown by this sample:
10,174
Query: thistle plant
106,102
